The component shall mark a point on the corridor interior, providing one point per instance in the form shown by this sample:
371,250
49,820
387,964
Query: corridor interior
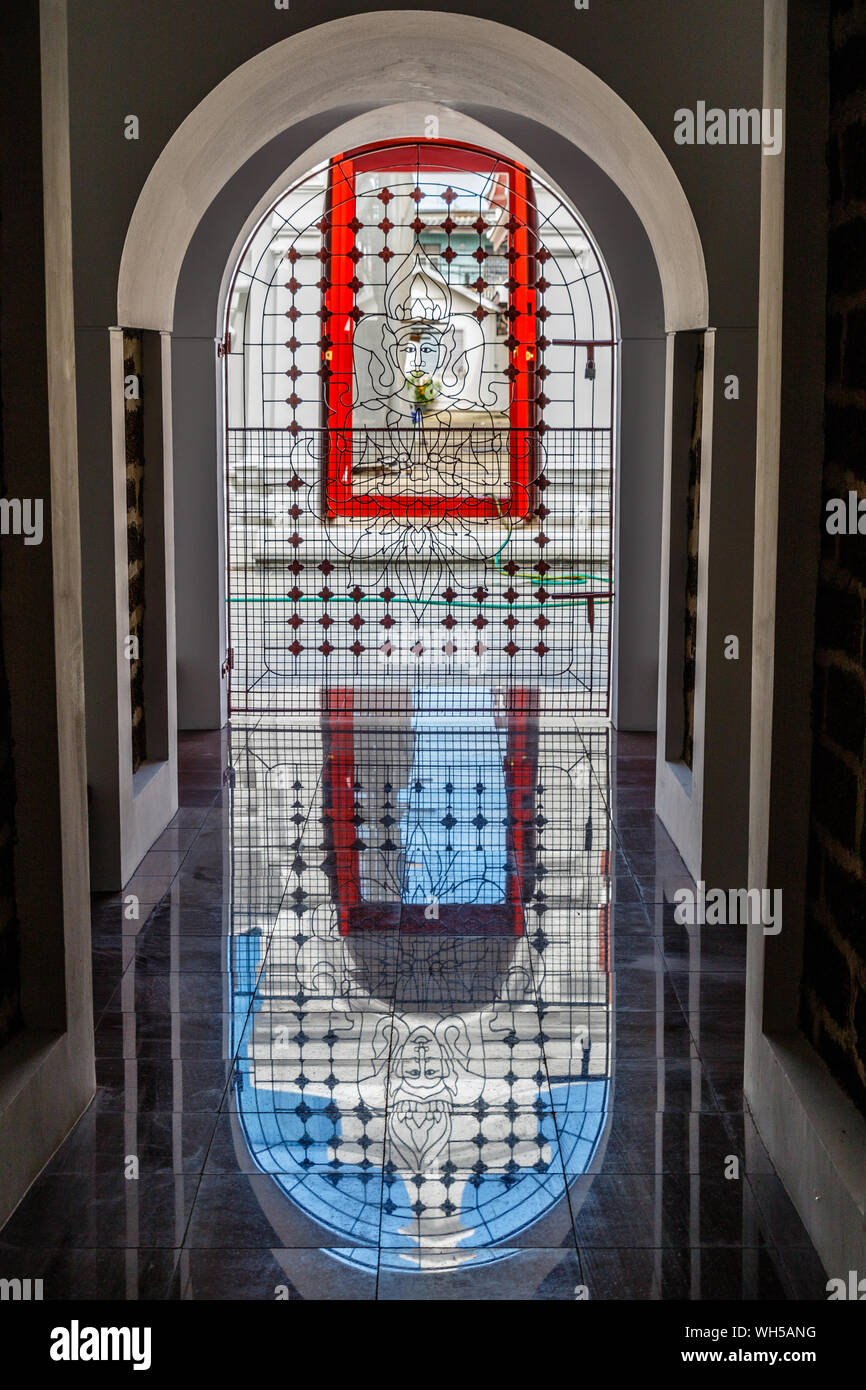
405,1014
396,1007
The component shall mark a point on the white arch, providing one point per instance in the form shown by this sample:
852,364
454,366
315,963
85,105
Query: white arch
391,123
397,56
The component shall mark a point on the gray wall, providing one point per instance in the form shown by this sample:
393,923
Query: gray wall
46,1068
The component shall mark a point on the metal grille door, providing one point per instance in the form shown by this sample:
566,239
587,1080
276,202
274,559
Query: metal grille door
419,395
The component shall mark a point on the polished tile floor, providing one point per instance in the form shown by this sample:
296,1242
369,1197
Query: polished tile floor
404,1014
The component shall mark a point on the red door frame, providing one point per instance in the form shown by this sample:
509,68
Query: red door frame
339,285
342,841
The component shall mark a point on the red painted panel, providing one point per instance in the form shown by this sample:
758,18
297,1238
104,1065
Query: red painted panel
498,919
337,328
339,302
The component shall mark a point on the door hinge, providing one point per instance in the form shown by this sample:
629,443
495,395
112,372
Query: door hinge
229,663
225,346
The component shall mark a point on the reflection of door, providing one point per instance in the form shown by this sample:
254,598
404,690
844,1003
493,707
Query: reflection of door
325,1098
427,828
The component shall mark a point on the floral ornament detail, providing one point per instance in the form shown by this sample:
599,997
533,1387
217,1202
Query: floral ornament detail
423,388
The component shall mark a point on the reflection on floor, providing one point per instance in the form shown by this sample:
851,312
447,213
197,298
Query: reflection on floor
405,1014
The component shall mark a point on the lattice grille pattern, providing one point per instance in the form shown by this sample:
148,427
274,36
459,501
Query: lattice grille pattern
458,264
420,400
380,602
420,1084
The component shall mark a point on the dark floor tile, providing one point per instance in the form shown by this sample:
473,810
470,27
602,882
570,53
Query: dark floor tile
76,1273
625,743
725,1075
674,1142
518,1275
106,909
635,950
160,1084
275,1275
227,1153
183,992
663,1085
645,991
252,1212
69,1211
159,952
641,817
633,799
643,1036
198,888
656,1216
625,892
721,955
192,1035
651,1210
206,861
621,1273
719,1036
109,967
635,772
176,837
644,838
171,916
161,861
682,1274
161,1141
751,1275
778,1211
804,1275
105,989
629,916
721,992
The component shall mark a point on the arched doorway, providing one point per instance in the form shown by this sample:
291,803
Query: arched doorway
318,953
420,362
419,385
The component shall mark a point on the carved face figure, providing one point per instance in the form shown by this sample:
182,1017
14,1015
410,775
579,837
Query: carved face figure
422,353
421,1064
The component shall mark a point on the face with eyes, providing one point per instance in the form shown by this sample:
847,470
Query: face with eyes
422,1065
422,354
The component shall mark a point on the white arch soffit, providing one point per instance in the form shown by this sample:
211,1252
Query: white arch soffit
401,120
392,56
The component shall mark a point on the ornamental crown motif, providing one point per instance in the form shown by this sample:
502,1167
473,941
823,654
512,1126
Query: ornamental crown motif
418,295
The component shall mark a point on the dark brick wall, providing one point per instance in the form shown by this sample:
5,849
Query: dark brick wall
833,1007
134,420
693,506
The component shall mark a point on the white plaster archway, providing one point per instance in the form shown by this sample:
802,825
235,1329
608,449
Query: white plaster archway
433,60
391,122
428,56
